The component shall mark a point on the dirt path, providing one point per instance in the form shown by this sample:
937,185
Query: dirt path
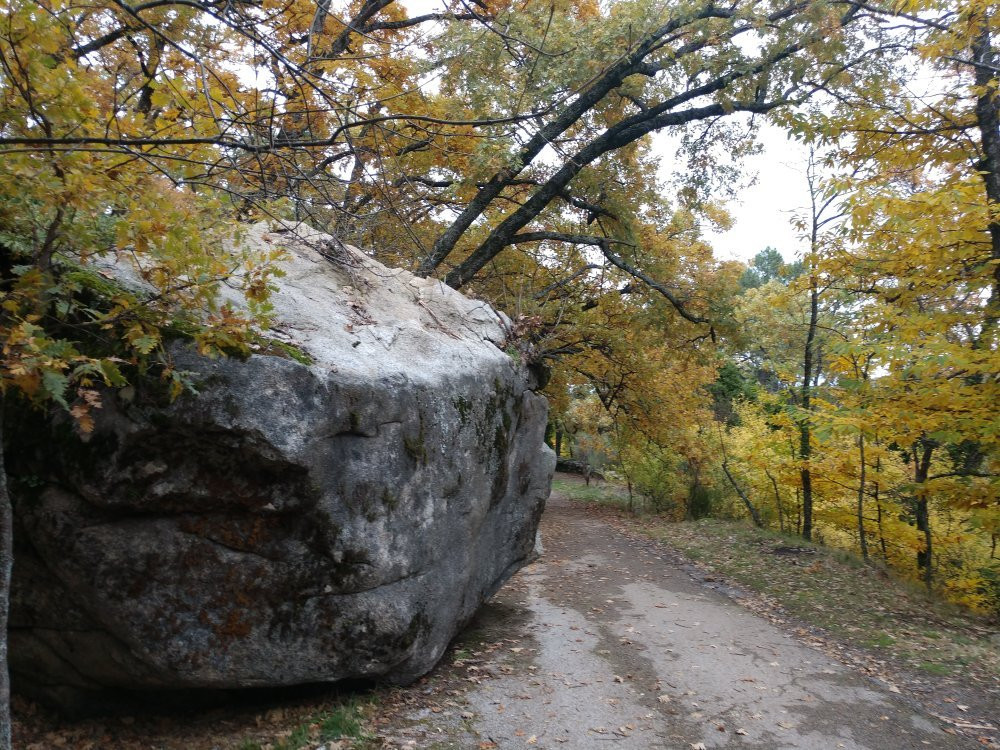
605,643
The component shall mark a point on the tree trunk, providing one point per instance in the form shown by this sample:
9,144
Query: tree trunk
925,556
743,496
876,488
558,443
881,531
988,120
921,469
861,500
6,565
805,423
810,374
777,501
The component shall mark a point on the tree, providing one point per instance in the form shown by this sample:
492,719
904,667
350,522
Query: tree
923,191
466,168
769,265
822,215
789,327
684,68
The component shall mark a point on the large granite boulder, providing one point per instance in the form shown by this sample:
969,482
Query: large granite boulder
294,522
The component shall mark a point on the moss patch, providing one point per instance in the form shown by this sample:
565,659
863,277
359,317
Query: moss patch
415,447
389,500
283,349
463,406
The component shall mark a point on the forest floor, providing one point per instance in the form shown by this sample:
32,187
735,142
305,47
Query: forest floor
615,638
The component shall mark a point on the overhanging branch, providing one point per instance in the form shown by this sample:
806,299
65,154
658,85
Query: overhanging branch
604,244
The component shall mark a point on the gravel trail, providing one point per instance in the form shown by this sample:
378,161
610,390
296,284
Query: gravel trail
609,643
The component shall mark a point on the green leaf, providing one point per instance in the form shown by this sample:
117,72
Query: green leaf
54,384
145,344
112,374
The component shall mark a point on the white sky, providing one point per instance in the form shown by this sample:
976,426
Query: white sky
763,213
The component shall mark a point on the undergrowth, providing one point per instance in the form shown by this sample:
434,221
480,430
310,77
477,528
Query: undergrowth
343,724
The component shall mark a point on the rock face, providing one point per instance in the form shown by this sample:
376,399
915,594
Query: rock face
292,523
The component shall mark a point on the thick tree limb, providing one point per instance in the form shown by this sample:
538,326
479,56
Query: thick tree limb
564,281
626,132
246,145
95,44
664,114
653,284
356,26
971,474
569,114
